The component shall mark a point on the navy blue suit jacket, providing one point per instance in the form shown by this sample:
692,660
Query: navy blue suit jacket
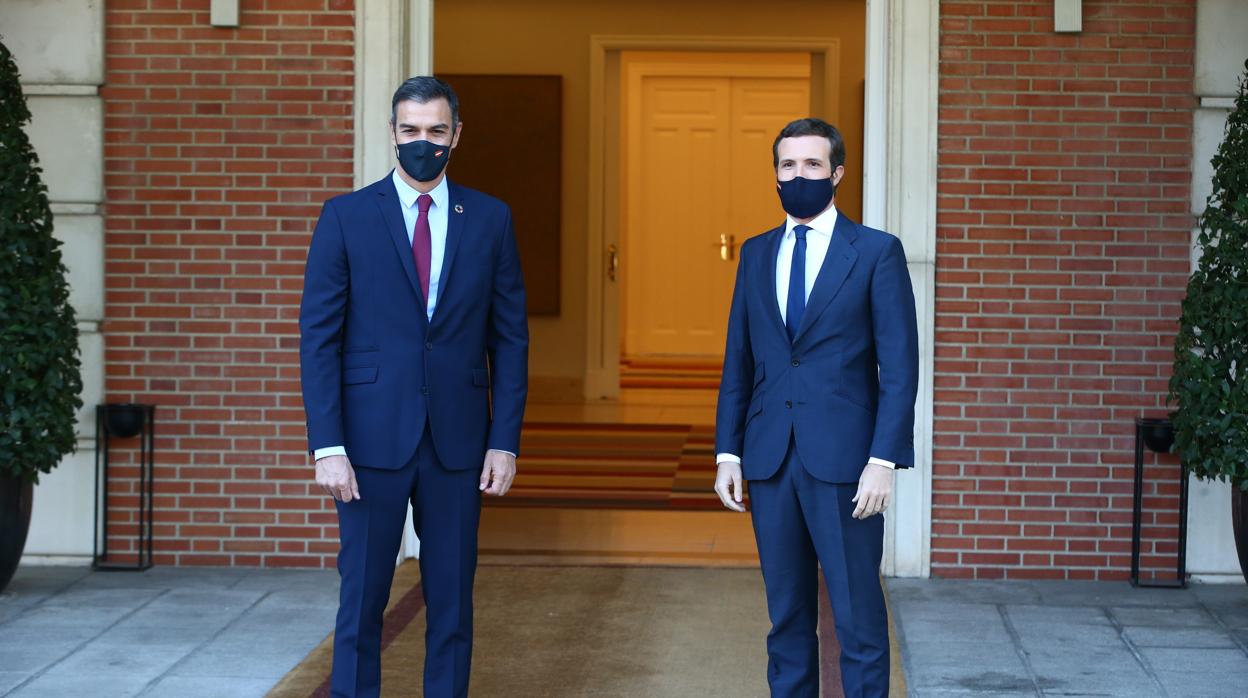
374,368
845,388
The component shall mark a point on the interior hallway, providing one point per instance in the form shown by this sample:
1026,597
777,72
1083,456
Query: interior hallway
618,481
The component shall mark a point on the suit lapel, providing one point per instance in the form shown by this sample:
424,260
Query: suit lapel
769,293
836,266
392,212
454,234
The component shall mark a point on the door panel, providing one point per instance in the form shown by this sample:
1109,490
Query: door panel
698,174
685,143
760,109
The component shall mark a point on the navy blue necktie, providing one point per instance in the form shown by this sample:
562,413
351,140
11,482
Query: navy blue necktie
797,283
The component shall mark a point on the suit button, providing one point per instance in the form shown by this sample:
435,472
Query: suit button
424,390
788,404
796,363
428,346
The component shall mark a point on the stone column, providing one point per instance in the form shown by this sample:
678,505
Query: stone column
1221,49
59,49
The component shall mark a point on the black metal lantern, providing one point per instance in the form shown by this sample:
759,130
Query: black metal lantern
1158,436
124,421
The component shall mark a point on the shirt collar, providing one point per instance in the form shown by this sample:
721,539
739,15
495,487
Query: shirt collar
823,224
408,195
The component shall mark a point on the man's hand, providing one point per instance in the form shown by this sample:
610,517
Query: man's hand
336,476
728,485
497,473
875,491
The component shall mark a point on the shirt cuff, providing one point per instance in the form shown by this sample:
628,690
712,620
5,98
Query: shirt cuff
499,450
727,458
880,461
329,451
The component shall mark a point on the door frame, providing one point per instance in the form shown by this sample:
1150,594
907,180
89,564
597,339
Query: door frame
394,39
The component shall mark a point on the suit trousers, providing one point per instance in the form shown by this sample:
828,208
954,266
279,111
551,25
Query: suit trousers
800,524
446,508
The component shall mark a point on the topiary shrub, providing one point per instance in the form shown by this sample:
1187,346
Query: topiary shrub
1210,381
40,380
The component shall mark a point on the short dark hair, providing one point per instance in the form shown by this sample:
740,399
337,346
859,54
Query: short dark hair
424,89
812,127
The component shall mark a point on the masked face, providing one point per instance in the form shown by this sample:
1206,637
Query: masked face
806,198
423,135
805,179
421,160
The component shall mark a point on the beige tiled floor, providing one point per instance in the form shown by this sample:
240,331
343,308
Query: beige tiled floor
633,407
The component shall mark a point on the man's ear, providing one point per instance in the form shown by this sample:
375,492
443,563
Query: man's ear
458,129
394,139
837,175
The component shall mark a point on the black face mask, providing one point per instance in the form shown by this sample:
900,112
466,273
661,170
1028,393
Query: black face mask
806,198
421,160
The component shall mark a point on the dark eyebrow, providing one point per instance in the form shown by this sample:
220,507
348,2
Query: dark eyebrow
431,128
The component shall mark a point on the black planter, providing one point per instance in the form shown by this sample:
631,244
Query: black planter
1239,521
15,498
124,420
1158,434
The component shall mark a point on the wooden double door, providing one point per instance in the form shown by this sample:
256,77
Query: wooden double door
698,180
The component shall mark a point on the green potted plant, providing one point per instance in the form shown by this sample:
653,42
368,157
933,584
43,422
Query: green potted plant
40,380
1210,381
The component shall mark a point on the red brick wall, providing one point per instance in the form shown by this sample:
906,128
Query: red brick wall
220,145
1062,258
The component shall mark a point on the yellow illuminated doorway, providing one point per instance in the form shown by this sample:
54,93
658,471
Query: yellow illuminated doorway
697,181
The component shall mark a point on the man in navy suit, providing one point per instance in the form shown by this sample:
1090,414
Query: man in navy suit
816,410
414,355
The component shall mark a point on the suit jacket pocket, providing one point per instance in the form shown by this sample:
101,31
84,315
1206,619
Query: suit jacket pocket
481,377
360,359
854,401
363,374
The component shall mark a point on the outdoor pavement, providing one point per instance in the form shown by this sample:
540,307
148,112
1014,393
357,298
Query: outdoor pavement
188,632
178,632
1022,638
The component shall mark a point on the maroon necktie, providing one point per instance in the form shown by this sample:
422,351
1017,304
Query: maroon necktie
422,243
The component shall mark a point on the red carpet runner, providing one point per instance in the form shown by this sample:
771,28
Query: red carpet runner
619,466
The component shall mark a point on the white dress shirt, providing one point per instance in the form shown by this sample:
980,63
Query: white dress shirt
438,220
818,239
437,228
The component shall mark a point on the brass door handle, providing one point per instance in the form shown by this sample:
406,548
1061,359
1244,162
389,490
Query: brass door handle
613,262
727,247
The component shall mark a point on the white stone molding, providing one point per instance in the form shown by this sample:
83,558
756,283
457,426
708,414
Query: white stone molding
393,41
899,195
